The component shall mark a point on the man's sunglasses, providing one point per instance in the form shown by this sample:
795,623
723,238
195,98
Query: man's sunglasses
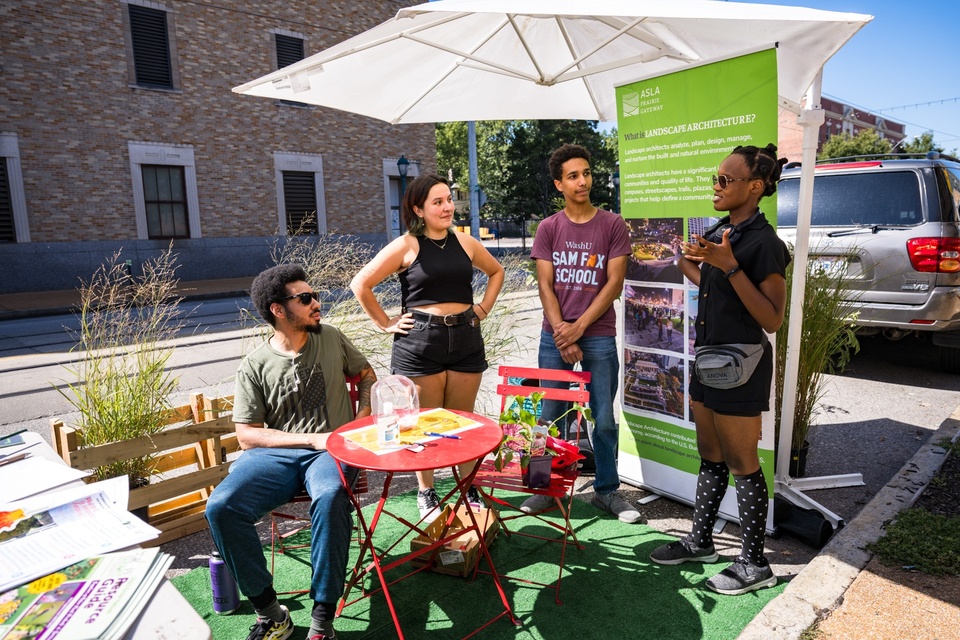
723,180
304,297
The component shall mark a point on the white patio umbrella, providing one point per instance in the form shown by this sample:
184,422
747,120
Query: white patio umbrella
457,60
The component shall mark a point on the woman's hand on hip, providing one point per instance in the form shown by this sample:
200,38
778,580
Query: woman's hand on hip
401,324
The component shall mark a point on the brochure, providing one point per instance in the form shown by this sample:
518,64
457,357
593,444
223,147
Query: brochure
46,533
96,599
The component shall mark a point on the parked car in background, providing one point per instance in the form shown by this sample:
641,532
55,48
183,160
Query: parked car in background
889,224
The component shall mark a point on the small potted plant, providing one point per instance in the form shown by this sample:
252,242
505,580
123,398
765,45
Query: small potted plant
536,444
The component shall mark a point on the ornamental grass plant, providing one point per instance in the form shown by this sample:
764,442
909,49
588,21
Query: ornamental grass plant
828,341
122,385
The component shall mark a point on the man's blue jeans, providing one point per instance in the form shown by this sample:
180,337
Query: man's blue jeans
261,480
601,359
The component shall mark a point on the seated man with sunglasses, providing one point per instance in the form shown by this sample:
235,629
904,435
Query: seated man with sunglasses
291,393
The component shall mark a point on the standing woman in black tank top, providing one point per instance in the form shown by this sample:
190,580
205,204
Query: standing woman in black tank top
437,339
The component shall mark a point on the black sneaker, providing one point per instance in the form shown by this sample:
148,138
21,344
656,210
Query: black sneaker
429,504
742,577
473,497
683,550
265,629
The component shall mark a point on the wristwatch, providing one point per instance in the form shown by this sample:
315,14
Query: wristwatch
730,273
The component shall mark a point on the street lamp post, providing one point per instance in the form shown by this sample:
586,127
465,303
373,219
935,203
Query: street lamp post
616,187
403,165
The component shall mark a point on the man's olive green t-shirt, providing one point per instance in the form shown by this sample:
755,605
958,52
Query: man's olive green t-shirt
306,393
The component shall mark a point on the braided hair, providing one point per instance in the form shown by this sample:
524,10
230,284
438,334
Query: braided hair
763,164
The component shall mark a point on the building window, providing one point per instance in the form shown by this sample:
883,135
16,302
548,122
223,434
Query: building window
164,191
300,203
13,201
151,46
165,200
289,49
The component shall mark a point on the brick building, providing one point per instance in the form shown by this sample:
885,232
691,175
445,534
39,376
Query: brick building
118,129
838,118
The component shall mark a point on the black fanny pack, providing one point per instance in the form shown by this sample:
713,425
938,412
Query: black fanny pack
725,366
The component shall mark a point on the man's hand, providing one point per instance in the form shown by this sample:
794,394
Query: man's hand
572,354
566,334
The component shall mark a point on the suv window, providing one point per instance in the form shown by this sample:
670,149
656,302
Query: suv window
864,199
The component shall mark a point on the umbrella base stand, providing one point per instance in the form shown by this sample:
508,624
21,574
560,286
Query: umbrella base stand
792,489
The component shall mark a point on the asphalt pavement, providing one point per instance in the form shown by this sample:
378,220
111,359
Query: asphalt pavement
881,419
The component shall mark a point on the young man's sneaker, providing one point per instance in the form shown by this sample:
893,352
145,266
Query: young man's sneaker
474,498
265,629
537,503
616,505
429,504
684,550
742,577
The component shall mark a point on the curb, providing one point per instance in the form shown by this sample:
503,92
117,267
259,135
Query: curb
820,586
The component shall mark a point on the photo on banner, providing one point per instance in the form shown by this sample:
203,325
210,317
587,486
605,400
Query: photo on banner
674,131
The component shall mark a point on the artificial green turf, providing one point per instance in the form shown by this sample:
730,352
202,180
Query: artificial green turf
609,589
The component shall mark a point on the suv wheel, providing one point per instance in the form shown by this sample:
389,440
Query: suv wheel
950,359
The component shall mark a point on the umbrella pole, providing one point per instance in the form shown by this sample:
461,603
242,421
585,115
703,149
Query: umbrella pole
810,119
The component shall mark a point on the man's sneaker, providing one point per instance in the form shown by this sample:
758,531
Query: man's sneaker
616,505
265,629
684,550
429,504
742,577
537,503
474,498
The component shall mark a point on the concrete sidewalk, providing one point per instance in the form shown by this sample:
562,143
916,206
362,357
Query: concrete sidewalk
814,591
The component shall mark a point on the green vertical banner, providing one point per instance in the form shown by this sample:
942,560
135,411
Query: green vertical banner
674,132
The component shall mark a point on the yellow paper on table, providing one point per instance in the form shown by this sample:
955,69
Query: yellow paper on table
430,421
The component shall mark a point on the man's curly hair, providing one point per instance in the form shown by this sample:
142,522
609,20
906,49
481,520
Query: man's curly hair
270,286
562,154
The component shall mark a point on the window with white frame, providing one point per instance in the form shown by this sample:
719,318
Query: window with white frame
151,45
300,202
13,202
164,191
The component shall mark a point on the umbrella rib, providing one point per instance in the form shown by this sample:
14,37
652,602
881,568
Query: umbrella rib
482,63
526,47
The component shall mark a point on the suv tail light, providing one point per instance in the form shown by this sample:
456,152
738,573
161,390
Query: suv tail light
934,255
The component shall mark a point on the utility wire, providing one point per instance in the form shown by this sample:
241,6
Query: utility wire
921,104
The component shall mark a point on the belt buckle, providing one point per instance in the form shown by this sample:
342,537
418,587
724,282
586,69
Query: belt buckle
447,322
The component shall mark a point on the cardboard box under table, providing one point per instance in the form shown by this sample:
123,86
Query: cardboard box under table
460,555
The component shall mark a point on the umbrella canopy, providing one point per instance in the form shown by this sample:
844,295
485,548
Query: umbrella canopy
546,59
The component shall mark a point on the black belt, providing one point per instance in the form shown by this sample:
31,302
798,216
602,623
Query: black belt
449,320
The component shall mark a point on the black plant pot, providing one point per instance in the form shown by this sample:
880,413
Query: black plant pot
537,473
798,461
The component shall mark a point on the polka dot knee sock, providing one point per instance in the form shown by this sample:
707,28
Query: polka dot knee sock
711,485
752,500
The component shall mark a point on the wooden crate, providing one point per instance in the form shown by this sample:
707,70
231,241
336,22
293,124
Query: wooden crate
191,460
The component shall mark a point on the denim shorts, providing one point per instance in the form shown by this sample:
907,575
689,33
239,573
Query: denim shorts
748,400
432,347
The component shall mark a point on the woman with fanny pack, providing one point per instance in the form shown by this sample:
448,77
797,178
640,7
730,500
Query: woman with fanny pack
739,266
436,338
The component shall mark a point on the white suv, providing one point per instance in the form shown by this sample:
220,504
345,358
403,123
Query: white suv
892,223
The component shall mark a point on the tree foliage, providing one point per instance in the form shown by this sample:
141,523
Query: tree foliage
921,144
512,163
842,145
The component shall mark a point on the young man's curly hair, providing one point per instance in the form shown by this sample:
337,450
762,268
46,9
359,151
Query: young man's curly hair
562,154
270,287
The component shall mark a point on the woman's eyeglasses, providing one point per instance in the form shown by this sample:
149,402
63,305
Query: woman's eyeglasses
723,180
304,297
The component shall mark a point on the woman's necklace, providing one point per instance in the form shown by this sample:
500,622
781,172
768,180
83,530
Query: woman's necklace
439,245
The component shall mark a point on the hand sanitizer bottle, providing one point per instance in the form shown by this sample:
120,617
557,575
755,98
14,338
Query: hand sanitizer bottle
388,428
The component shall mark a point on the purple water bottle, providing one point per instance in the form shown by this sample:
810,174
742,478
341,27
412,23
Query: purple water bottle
226,597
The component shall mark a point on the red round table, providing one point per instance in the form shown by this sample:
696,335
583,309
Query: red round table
472,445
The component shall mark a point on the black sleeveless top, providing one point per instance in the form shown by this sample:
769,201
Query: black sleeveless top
437,275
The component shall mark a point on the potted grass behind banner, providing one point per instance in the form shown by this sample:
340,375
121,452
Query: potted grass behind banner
122,386
828,341
535,442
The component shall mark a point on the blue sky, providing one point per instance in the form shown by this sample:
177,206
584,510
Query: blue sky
905,56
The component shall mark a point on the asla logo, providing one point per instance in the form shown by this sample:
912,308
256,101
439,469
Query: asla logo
649,92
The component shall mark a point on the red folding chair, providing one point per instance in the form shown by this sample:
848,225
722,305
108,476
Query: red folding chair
277,539
562,481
